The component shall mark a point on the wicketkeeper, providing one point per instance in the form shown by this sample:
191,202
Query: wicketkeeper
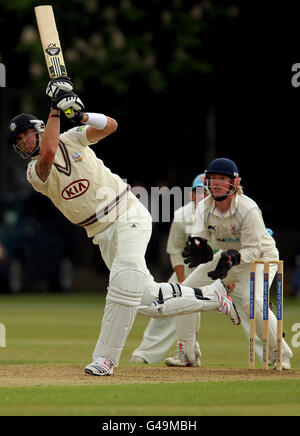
233,223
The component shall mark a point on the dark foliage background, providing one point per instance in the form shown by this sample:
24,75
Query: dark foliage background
187,81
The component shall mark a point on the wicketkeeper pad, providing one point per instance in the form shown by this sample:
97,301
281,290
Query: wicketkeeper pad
186,332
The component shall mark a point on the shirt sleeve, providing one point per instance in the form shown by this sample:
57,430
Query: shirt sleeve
176,243
252,232
76,134
199,228
34,179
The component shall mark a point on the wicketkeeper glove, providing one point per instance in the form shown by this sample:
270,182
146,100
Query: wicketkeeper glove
69,100
61,83
197,251
228,259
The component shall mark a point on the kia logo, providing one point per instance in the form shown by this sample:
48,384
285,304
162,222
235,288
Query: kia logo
75,189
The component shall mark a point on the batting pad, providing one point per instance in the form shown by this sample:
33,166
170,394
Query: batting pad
178,306
127,287
124,295
116,325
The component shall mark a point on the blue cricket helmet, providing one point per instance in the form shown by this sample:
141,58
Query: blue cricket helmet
223,166
227,168
199,181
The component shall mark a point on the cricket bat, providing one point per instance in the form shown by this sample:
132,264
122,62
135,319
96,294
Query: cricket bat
50,43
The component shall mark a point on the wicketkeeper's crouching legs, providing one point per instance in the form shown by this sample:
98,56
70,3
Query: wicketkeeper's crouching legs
188,348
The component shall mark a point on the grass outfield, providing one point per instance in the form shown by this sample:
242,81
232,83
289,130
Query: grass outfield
57,333
272,398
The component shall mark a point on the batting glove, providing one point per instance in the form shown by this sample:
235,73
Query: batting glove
197,251
61,83
228,259
70,104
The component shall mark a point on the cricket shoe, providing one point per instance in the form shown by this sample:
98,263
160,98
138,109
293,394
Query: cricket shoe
137,359
102,366
286,360
227,305
181,359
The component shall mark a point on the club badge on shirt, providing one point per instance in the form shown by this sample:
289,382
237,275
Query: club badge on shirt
234,229
77,157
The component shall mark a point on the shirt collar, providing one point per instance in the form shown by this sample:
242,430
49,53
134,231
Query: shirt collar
215,211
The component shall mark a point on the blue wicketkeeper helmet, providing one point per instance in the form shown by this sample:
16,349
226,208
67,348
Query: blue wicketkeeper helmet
223,166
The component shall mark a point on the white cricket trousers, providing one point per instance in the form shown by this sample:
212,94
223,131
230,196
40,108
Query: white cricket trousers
123,246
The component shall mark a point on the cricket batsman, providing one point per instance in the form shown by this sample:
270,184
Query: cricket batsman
64,168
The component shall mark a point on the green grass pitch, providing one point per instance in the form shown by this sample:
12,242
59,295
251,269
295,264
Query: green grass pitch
61,330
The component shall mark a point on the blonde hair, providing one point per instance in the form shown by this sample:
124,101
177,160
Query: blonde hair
239,190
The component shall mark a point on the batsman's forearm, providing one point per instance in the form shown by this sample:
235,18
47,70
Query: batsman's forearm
85,118
98,121
50,138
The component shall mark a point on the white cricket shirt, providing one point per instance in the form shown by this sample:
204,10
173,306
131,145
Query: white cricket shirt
181,228
81,186
241,228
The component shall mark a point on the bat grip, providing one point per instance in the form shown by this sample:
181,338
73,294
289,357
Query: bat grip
76,116
68,112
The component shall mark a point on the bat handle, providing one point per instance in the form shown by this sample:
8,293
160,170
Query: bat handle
68,112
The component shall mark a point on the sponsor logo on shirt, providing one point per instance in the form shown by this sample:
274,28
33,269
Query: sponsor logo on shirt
228,240
75,189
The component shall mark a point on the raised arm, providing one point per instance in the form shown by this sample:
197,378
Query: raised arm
60,92
48,146
100,126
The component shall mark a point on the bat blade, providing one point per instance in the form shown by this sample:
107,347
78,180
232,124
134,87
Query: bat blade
50,41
